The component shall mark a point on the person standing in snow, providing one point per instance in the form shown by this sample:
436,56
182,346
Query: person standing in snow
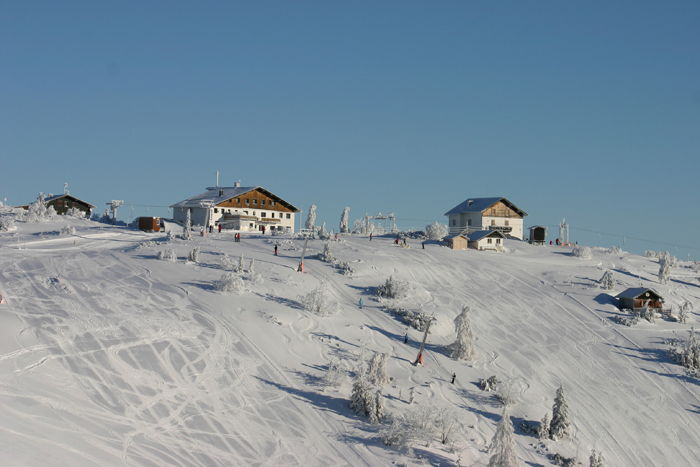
275,250
360,304
219,228
405,339
454,376
370,236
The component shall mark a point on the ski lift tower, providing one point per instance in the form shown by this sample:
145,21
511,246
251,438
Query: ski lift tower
564,232
114,204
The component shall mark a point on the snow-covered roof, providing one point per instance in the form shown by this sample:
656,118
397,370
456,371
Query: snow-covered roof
636,292
216,195
66,195
479,234
537,227
453,236
481,205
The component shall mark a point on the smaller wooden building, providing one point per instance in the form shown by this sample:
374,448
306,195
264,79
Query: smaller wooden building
457,242
486,240
637,297
149,224
62,203
538,235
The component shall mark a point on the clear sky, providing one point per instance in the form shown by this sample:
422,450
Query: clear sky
583,110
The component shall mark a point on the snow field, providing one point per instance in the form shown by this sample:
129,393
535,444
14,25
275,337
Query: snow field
111,357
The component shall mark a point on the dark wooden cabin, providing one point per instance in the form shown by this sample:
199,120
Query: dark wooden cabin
637,297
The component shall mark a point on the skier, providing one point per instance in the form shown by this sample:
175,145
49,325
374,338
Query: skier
423,245
454,376
275,250
405,339
396,242
550,242
370,236
263,230
219,228
360,304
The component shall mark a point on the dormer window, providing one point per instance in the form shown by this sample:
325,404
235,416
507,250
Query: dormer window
262,202
255,201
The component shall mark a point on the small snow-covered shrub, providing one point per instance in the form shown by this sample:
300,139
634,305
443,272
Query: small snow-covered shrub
170,236
194,255
436,231
377,370
345,268
241,265
7,223
227,263
490,384
146,244
394,288
687,353
416,319
607,282
230,282
67,230
319,301
187,227
327,254
38,211
75,213
336,375
683,313
167,255
583,252
665,264
614,250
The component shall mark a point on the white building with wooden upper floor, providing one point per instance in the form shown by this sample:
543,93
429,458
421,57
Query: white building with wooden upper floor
239,208
487,214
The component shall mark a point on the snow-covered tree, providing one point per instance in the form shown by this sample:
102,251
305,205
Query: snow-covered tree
607,282
251,268
327,254
446,423
75,213
227,263
665,263
436,231
377,370
344,220
311,219
335,375
362,396
394,288
683,313
68,230
560,426
503,444
319,301
230,282
583,252
689,354
376,412
463,347
322,231
543,431
7,223
38,211
241,265
596,460
194,255
187,227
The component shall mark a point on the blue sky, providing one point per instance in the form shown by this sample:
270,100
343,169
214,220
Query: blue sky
583,110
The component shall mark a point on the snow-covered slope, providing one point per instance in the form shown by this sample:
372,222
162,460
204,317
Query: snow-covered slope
109,356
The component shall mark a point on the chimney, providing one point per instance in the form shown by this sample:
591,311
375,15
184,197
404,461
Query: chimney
238,184
470,202
221,192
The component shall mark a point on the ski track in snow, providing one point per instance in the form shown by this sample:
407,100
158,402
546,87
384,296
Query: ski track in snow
125,360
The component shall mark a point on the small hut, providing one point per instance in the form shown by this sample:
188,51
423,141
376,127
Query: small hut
486,240
149,224
638,297
457,242
538,235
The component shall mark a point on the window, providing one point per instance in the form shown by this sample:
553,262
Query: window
488,240
229,211
272,215
498,240
506,222
263,214
272,203
216,210
469,222
493,222
238,200
262,202
247,201
288,216
454,221
255,201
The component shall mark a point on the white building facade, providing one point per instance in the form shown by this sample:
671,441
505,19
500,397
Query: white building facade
238,208
487,214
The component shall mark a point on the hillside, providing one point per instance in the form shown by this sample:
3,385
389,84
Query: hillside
109,356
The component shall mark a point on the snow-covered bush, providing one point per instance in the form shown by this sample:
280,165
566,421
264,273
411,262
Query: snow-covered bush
688,353
38,212
336,375
169,236
241,265
230,282
607,282
319,301
463,347
345,268
311,219
327,254
194,255
503,444
7,223
596,460
67,230
560,426
344,220
394,288
583,252
416,319
665,263
436,231
322,231
683,313
490,384
167,255
75,213
416,426
614,250
376,374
